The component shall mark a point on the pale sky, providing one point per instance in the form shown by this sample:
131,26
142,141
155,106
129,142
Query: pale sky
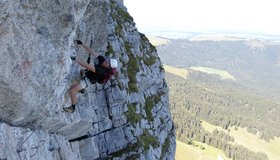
192,15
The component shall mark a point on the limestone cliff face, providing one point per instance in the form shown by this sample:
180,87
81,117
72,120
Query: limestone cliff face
127,118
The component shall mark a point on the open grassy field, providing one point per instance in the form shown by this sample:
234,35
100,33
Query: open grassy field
183,73
252,142
222,74
157,41
190,152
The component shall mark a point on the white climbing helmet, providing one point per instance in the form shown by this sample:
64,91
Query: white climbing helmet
113,63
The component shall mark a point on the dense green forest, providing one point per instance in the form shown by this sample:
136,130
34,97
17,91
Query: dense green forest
192,101
254,64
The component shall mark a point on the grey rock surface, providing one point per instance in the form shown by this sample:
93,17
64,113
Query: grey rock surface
128,117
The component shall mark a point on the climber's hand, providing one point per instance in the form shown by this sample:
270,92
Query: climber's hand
78,42
73,58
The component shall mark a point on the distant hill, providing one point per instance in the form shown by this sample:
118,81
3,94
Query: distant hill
230,82
254,64
211,35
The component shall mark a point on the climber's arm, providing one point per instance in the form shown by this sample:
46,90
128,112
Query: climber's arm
83,64
88,49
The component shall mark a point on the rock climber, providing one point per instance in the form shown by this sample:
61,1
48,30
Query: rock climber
100,72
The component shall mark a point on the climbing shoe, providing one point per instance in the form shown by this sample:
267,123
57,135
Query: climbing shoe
82,91
70,109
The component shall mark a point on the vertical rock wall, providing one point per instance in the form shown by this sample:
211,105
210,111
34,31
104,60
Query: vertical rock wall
126,118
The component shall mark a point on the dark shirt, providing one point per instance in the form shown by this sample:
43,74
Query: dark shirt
100,73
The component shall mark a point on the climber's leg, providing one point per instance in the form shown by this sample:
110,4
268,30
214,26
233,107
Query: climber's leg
73,92
73,95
